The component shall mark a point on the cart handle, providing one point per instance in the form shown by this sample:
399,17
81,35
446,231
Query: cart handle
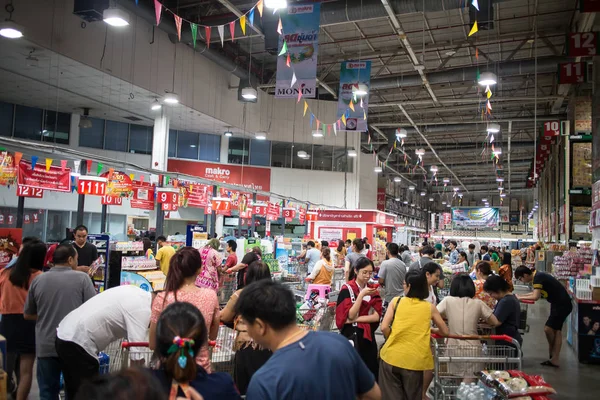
505,338
527,301
126,345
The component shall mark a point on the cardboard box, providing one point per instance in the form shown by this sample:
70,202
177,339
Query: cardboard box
596,294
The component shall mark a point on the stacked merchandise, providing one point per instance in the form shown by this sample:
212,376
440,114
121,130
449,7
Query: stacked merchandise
315,313
572,263
379,251
511,384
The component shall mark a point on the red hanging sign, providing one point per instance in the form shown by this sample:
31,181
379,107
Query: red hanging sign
1,219
552,128
53,179
11,218
582,44
167,195
302,216
28,191
589,6
8,171
91,185
119,184
273,211
260,210
572,72
289,214
169,206
221,205
311,216
112,200
143,196
246,214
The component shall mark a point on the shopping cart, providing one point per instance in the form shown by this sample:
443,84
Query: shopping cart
523,327
460,359
321,319
135,354
222,354
227,287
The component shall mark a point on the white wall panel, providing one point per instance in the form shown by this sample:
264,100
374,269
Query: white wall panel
367,182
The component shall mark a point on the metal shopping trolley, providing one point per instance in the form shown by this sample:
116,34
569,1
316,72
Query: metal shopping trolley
321,319
227,286
222,355
523,327
460,357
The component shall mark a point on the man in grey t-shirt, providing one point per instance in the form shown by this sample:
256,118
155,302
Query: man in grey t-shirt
391,274
52,296
427,253
312,256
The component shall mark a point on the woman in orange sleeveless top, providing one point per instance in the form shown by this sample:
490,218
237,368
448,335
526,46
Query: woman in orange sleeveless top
323,270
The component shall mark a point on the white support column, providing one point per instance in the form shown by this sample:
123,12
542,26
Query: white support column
160,143
224,151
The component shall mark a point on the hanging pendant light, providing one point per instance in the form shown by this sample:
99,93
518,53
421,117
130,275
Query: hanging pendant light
488,79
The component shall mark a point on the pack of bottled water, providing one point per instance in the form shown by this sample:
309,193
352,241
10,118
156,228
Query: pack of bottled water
472,391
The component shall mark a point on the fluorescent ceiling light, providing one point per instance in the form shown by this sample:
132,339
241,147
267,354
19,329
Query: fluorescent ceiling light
434,168
171,98
155,105
431,199
420,152
499,179
405,202
500,188
352,153
397,179
317,133
423,193
11,30
249,93
488,79
116,17
446,180
276,4
503,195
360,90
262,136
192,145
397,199
401,133
484,200
460,195
493,128
378,169
411,187
443,202
228,134
497,151
456,189
302,154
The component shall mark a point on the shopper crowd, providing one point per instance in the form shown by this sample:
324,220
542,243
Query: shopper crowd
55,318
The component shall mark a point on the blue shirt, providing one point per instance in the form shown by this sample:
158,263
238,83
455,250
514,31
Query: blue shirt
312,256
454,257
486,257
321,365
215,386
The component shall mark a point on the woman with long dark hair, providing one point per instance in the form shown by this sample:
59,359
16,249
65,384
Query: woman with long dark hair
249,356
358,311
506,271
184,268
180,335
20,333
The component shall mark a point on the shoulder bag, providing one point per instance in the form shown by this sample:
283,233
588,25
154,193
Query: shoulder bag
353,338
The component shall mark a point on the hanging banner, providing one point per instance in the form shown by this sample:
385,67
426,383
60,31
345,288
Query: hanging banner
112,201
260,210
302,216
11,241
239,200
301,34
91,185
8,171
119,184
54,179
143,196
353,73
471,218
289,214
221,205
273,212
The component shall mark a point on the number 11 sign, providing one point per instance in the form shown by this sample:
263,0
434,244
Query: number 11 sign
572,72
91,185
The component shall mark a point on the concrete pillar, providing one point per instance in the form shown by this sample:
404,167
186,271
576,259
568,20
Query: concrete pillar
160,154
224,151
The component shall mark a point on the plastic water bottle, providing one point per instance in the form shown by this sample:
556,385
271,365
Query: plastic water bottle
104,361
460,391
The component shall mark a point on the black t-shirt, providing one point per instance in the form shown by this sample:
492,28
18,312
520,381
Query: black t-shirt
508,312
552,290
86,254
248,259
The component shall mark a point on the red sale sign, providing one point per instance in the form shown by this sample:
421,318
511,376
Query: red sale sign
36,218
289,214
143,196
260,210
169,206
167,195
221,205
272,211
53,179
302,216
91,185
112,200
582,44
552,128
572,72
28,191
312,216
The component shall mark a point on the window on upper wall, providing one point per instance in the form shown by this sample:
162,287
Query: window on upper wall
322,157
341,161
239,149
28,123
116,136
93,137
140,139
57,126
281,154
6,118
210,147
172,143
302,163
187,145
260,152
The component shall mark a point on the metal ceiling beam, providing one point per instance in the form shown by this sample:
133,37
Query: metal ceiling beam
454,122
238,14
429,144
468,100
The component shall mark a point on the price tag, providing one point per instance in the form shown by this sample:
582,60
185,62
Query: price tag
582,44
164,196
28,191
91,186
112,200
572,72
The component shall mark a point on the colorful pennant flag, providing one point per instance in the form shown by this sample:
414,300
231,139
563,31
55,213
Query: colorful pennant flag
48,164
99,169
63,165
351,105
312,118
194,29
305,108
77,165
221,30
323,127
344,119
259,7
178,25
318,123
243,23
299,96
288,61
279,27
207,35
475,4
251,17
328,130
89,166
489,106
18,156
488,92
474,29
34,160
364,115
283,48
131,176
334,128
111,171
477,53
294,79
232,30
157,11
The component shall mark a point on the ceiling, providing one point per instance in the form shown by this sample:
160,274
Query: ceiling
423,76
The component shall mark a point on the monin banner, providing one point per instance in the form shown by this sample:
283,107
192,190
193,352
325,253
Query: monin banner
301,32
353,73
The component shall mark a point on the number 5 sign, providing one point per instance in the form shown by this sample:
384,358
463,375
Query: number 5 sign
167,195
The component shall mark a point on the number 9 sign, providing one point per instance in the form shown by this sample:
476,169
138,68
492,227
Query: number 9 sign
167,196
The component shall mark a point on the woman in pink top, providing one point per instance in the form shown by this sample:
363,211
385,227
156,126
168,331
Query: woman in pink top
19,333
184,267
211,262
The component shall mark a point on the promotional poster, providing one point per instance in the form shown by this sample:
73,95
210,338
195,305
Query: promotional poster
353,73
475,218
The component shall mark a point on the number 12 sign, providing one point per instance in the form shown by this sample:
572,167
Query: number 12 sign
28,191
582,44
572,72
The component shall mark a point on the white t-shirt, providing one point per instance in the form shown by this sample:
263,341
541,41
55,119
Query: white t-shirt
121,312
320,264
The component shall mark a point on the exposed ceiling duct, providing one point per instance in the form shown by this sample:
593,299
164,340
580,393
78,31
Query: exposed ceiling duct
544,65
